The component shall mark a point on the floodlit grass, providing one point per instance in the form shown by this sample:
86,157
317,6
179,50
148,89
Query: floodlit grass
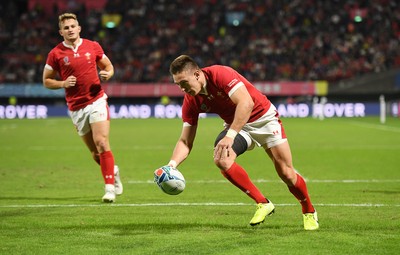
50,200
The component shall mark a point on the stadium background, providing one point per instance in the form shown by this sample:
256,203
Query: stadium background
295,51
50,189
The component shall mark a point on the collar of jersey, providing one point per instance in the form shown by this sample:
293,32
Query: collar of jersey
71,47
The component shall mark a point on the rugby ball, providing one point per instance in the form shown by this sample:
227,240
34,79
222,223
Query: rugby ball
169,180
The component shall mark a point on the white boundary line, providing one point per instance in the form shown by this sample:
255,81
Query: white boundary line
185,204
278,181
376,126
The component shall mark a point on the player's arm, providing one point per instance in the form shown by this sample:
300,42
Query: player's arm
183,146
106,68
50,81
244,106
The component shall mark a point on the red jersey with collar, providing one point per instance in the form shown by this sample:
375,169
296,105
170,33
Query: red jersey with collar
80,62
222,81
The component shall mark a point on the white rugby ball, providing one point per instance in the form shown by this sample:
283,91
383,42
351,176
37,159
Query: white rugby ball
170,180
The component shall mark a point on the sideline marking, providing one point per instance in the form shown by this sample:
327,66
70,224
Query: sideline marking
279,181
187,204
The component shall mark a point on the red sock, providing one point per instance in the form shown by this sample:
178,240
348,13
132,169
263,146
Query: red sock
238,177
299,190
107,166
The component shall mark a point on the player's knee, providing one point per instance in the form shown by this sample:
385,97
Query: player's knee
223,164
287,175
101,144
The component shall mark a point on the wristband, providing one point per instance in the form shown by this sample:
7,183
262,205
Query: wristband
172,163
231,133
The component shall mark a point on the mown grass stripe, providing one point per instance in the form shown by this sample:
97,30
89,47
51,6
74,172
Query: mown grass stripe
187,204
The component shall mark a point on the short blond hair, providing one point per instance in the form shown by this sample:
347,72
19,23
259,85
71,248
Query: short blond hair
65,16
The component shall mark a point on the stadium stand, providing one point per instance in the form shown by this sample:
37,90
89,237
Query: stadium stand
265,40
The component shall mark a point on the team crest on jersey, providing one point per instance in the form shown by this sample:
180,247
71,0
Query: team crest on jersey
220,94
88,56
66,60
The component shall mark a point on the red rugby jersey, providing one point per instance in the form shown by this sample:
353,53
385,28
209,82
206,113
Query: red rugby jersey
220,81
80,62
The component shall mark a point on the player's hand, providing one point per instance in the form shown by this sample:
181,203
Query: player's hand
69,82
104,75
223,148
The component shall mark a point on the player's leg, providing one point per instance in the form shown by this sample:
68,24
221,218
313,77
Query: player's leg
270,134
282,159
99,141
82,119
234,172
100,131
239,177
88,140
100,126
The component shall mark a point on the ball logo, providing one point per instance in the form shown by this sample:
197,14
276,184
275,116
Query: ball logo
159,172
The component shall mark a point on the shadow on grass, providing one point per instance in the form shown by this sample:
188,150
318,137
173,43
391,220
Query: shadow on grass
137,229
385,192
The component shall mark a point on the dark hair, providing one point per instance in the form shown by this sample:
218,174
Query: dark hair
181,63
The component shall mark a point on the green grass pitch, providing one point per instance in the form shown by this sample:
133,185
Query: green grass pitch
50,191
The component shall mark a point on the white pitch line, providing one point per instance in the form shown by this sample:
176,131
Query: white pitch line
354,181
186,204
376,126
277,181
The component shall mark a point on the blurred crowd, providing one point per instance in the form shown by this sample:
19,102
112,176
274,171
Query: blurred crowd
298,40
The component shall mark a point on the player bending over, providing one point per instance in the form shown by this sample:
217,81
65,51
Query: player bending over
250,119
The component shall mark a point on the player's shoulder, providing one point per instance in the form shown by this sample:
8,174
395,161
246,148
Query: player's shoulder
58,48
88,41
215,68
219,73
218,69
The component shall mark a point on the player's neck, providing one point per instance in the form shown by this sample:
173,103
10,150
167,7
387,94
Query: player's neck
73,44
204,89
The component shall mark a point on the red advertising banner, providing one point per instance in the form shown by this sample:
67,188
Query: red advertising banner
142,90
168,89
286,88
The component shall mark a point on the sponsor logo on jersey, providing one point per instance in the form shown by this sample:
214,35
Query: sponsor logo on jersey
66,61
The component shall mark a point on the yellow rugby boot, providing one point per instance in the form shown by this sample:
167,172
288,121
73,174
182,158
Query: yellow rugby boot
263,210
310,221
